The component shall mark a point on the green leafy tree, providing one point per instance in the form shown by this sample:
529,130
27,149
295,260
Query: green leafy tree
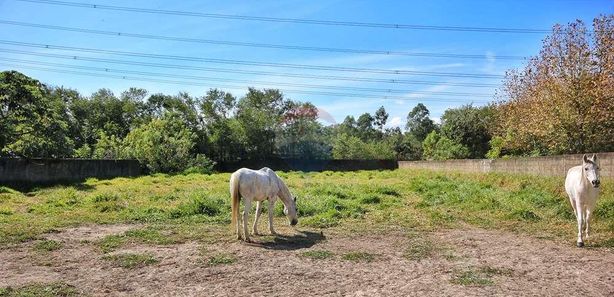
301,135
469,126
352,147
381,117
418,122
33,122
438,147
163,145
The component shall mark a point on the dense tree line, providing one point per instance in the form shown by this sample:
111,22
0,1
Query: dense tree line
561,102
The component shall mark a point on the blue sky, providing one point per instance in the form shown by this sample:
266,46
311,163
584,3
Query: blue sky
503,14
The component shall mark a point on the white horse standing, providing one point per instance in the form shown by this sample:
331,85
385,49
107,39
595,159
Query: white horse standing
259,185
582,186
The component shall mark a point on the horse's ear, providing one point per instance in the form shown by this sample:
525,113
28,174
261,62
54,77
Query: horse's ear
585,158
594,158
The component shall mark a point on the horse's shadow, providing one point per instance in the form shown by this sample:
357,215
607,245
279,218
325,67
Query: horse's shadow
301,240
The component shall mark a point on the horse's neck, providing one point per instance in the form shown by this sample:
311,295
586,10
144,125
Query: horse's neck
284,193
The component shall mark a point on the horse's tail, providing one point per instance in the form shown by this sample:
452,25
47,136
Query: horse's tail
235,196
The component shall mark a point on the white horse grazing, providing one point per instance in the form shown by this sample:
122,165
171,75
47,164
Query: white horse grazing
259,185
582,186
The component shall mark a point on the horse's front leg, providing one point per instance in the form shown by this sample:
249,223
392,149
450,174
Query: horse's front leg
270,211
580,219
258,211
587,218
248,206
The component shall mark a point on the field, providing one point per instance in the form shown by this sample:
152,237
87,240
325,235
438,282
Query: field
359,233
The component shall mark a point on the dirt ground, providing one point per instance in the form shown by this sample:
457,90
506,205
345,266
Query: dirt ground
512,264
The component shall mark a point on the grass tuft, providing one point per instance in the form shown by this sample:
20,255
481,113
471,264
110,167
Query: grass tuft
478,276
358,257
48,245
221,259
131,261
40,290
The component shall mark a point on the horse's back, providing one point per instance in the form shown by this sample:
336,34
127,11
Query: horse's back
256,184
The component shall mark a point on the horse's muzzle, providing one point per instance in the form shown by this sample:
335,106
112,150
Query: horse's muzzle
596,183
294,222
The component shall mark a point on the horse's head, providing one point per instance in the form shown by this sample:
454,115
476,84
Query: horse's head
590,169
291,211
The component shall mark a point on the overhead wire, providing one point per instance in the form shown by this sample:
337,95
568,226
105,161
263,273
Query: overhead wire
186,83
259,45
292,20
203,78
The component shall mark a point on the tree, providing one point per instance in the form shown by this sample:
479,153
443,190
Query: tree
163,145
562,101
418,122
33,121
470,127
351,147
364,125
260,114
438,147
381,116
301,135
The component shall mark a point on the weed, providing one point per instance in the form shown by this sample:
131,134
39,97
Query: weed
358,257
478,276
420,249
42,290
221,259
131,261
48,245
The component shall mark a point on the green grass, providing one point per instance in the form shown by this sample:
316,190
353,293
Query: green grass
196,206
48,245
221,259
478,276
420,249
318,255
131,261
145,236
358,257
40,290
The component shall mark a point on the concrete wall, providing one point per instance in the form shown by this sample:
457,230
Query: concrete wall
308,165
553,165
24,172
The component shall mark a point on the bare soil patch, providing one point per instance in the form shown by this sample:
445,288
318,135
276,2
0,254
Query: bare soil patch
466,262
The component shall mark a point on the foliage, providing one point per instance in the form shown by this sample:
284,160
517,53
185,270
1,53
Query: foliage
469,126
352,147
438,147
163,145
32,119
562,101
418,122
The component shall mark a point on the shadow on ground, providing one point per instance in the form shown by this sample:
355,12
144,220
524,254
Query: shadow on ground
301,240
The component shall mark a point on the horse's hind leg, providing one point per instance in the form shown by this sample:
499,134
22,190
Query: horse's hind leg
248,206
258,211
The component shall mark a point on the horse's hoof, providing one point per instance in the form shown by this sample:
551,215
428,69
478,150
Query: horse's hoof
580,244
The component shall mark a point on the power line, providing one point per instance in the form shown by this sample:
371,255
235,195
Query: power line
258,45
293,20
257,63
200,78
185,83
252,72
